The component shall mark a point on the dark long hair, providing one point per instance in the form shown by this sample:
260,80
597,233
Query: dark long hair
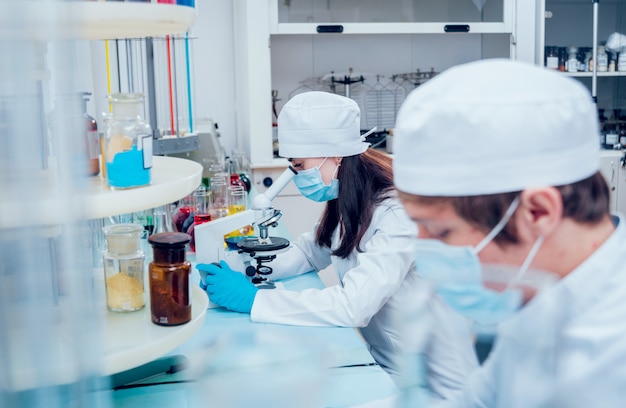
365,180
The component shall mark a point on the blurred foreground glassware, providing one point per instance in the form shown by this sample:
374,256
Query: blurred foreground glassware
123,267
259,368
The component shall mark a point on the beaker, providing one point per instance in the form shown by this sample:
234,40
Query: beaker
162,219
170,297
237,202
123,267
219,196
128,143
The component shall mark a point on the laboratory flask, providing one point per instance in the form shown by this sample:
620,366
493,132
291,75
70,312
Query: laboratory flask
128,143
123,267
170,297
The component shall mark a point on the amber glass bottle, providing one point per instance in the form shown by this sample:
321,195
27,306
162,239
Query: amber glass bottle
170,298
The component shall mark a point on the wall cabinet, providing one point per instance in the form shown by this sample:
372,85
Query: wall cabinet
570,23
281,45
278,47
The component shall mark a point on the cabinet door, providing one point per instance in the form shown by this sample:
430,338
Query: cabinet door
620,204
425,16
610,168
569,24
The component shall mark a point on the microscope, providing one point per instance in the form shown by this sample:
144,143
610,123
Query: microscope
253,253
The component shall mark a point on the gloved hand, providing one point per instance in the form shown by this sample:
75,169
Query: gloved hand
228,288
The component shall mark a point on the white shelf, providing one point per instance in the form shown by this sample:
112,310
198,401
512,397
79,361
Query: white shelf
599,74
132,339
91,20
172,179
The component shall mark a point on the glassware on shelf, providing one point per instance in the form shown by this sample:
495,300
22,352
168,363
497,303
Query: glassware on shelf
128,143
237,202
183,210
170,299
234,175
201,213
603,59
218,186
202,207
162,220
242,167
92,139
124,267
70,116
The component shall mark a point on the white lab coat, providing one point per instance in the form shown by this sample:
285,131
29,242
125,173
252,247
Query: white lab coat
374,287
567,347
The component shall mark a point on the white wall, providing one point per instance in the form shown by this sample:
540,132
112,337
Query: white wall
214,74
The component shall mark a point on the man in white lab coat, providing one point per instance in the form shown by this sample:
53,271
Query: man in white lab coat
364,233
498,160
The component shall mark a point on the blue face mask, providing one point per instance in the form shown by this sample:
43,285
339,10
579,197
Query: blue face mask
311,184
457,275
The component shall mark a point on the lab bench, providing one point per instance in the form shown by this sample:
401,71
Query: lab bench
353,377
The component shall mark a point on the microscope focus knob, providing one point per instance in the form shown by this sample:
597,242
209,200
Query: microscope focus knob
267,181
250,270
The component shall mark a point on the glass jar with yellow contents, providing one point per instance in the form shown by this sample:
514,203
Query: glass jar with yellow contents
124,267
128,143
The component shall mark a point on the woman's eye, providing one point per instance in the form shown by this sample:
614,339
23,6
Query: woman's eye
296,165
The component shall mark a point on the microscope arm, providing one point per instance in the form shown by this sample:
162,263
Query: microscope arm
264,201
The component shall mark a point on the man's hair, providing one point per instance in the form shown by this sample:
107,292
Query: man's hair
365,180
586,202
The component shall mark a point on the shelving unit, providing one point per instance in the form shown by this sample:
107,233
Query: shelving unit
95,20
56,322
172,178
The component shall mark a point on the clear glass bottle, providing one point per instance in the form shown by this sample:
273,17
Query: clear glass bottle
70,116
572,59
170,298
603,59
92,139
124,267
162,219
552,57
128,143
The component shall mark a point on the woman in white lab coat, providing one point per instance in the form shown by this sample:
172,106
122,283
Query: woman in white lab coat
363,232
524,192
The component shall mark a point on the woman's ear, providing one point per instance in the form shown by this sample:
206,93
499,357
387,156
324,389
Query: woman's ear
540,210
337,160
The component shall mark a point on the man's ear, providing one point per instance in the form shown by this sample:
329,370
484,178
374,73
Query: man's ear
540,211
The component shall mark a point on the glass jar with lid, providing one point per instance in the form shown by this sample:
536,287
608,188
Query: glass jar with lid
572,59
128,143
124,267
603,59
170,297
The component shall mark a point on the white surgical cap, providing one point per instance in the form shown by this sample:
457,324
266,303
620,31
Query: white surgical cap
495,126
320,124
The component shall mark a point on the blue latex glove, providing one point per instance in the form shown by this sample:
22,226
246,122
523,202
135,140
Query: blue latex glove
227,288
